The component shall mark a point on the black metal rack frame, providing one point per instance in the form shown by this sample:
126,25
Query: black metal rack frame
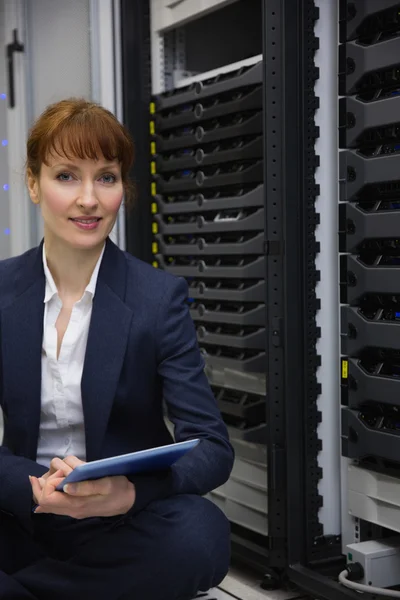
291,219
136,73
298,550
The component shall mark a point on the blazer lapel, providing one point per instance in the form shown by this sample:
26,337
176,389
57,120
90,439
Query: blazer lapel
105,352
22,332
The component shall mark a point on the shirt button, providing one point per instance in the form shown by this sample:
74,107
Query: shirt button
67,441
59,387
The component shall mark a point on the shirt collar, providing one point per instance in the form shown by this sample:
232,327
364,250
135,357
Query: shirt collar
51,288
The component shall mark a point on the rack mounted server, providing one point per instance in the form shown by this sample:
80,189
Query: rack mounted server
369,217
208,227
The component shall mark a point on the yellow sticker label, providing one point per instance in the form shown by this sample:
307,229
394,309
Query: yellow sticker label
153,208
153,148
152,128
153,167
153,189
345,369
152,108
155,264
154,227
154,247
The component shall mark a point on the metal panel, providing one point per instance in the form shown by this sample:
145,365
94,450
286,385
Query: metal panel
210,154
357,172
247,409
240,77
219,312
215,244
239,220
253,268
367,17
248,125
248,99
252,361
374,497
136,69
359,333
358,225
374,510
361,386
240,514
243,494
327,317
239,174
367,67
169,13
359,279
238,337
365,123
360,441
291,218
251,452
202,202
237,291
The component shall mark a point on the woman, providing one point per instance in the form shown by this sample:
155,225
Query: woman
92,342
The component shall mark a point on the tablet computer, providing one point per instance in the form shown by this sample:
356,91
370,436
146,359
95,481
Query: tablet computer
144,461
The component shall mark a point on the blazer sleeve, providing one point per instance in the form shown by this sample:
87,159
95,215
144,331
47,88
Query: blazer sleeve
191,407
15,488
16,497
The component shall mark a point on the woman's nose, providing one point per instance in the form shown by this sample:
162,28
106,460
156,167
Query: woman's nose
88,197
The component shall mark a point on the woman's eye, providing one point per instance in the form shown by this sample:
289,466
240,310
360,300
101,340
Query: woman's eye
109,175
62,175
107,178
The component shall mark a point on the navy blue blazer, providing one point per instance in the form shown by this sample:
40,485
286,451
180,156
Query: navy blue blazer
142,349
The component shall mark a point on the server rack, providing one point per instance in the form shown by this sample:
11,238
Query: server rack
226,178
208,221
193,222
369,221
368,189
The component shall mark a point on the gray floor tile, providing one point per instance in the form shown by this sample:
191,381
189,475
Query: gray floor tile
245,585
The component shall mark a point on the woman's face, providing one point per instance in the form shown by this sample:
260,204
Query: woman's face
79,200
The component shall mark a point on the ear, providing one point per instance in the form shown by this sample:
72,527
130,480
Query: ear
32,183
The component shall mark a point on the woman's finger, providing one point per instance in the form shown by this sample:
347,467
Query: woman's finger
41,491
36,488
95,487
73,461
58,464
54,480
48,497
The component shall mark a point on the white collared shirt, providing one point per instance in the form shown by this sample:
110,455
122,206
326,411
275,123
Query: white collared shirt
62,431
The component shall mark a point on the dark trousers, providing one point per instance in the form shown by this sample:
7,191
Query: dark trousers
169,551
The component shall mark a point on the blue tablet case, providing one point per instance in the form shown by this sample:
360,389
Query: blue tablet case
144,461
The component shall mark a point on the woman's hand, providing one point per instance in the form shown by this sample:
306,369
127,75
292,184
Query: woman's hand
56,465
105,497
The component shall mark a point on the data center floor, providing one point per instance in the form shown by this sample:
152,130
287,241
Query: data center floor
242,585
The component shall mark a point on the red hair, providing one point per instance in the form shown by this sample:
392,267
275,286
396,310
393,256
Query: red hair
81,129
